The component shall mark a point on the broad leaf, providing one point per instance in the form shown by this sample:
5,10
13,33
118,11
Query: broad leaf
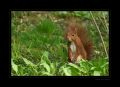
92,68
52,68
20,69
74,72
82,70
74,66
46,53
14,66
67,71
46,66
46,73
44,57
96,73
28,62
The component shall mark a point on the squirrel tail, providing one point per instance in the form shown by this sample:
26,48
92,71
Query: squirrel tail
83,34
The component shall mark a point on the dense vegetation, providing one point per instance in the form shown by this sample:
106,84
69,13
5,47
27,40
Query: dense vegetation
39,49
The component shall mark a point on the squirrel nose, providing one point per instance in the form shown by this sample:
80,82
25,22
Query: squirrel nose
68,38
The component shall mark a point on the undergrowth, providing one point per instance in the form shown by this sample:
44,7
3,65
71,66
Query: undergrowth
39,49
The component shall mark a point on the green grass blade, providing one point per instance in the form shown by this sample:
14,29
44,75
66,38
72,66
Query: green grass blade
104,65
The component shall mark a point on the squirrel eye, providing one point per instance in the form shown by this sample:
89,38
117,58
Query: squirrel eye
72,34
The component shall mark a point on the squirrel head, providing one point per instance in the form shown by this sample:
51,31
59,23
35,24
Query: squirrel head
71,34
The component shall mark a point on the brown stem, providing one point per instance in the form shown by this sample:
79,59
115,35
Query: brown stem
99,33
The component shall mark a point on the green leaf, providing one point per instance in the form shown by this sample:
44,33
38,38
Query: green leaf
44,57
34,71
96,73
15,67
74,72
46,73
67,71
61,69
46,66
20,70
85,67
56,63
74,66
82,70
92,68
104,64
28,62
45,54
52,68
90,63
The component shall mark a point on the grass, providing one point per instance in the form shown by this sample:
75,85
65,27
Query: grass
41,50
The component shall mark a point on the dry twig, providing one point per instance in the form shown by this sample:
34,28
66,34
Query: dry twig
99,33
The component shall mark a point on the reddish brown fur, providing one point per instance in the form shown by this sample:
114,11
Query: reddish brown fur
84,46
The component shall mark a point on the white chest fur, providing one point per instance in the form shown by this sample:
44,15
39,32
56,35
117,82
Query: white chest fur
73,48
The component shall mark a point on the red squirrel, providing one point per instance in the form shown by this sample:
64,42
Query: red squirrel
79,43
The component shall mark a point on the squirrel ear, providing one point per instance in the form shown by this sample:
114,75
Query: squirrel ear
75,31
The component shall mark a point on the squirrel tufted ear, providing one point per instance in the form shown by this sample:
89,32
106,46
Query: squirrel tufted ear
75,31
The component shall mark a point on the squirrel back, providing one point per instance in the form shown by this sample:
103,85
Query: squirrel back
84,44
